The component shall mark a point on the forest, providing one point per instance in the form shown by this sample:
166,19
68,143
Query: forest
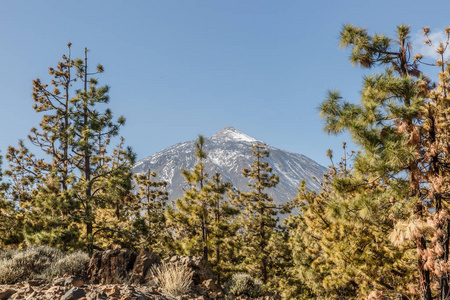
378,229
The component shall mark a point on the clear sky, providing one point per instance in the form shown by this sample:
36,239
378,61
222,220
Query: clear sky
182,68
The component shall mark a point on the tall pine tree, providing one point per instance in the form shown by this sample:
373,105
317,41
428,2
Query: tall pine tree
194,210
258,214
151,221
401,126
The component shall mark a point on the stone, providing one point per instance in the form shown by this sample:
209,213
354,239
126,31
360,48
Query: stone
111,266
35,282
210,285
73,281
141,269
59,281
6,294
55,291
74,293
32,296
111,291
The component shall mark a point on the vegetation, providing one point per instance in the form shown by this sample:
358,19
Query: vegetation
378,229
243,284
39,262
174,279
258,215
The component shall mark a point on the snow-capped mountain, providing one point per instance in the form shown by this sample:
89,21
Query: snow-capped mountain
229,151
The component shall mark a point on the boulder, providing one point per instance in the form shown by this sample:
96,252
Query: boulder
74,293
210,285
55,292
141,269
111,266
73,281
6,294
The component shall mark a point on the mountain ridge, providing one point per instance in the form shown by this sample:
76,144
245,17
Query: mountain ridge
229,151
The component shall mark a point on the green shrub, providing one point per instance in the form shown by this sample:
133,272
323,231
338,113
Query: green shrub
174,279
39,262
9,273
26,264
244,284
7,254
73,264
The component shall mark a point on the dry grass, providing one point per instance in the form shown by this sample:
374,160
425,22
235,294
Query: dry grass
174,279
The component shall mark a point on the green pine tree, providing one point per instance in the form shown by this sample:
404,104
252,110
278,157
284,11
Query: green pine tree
152,198
401,126
93,131
339,238
42,187
258,214
60,191
10,217
203,220
193,216
223,229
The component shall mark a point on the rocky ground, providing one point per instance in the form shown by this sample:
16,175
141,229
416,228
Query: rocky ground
121,275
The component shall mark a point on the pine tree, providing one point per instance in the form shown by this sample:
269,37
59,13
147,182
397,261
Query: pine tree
152,199
223,228
48,204
339,238
92,133
10,218
114,205
203,221
401,126
61,189
258,214
194,209
435,142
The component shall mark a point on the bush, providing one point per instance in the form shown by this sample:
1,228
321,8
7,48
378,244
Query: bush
39,262
244,284
7,254
9,273
174,279
21,265
73,264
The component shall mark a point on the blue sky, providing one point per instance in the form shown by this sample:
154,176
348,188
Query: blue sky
182,68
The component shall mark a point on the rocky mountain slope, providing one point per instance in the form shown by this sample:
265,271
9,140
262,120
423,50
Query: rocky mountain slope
229,151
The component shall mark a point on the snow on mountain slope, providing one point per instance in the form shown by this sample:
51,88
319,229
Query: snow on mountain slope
229,151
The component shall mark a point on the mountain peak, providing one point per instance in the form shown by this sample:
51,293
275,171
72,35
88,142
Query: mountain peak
231,133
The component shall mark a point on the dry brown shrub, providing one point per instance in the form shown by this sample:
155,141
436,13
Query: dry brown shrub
174,279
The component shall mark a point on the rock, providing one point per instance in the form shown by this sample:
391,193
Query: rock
55,292
73,281
111,266
6,294
32,296
59,281
141,269
74,293
35,282
210,285
112,291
